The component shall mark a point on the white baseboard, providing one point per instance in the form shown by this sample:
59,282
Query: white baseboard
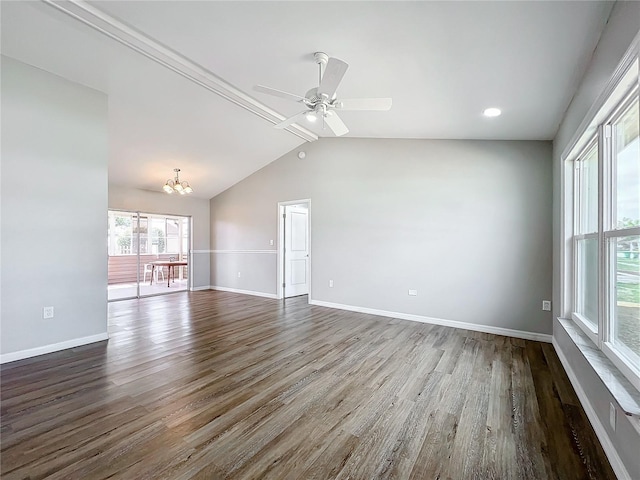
244,292
198,289
507,332
617,465
54,347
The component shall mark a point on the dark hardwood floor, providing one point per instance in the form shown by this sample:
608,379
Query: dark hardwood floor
212,385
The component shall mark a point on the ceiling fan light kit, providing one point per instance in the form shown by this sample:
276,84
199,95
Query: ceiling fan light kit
321,101
492,112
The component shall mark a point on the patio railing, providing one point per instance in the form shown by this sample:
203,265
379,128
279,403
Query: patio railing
122,268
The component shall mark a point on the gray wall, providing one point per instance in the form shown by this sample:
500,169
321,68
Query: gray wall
466,223
620,31
133,199
53,199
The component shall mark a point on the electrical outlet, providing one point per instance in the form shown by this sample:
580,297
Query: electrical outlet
546,305
271,242
238,274
413,293
330,283
612,416
47,312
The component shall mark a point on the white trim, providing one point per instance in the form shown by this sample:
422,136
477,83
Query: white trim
147,212
507,332
604,161
199,289
147,46
608,447
243,251
566,241
586,236
54,347
623,232
585,326
244,292
280,251
612,85
625,367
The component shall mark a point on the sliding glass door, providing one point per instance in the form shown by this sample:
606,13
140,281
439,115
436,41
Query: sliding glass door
163,254
148,254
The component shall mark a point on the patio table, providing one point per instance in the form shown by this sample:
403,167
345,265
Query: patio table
170,265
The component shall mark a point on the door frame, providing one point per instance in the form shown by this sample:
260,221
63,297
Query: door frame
189,252
280,257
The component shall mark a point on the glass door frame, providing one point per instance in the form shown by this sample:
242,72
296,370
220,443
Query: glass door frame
138,214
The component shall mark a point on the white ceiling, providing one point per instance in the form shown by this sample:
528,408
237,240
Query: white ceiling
441,62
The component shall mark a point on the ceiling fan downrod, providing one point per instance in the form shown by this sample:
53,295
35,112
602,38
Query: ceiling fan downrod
321,59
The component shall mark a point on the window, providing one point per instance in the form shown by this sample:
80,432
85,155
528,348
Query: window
122,236
623,236
586,237
156,234
605,236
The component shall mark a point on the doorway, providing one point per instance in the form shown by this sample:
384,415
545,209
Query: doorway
294,248
148,254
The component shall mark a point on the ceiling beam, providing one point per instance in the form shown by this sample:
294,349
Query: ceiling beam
152,49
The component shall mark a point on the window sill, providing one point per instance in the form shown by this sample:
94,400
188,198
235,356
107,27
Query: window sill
625,394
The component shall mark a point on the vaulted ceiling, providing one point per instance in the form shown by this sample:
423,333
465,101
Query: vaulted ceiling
161,64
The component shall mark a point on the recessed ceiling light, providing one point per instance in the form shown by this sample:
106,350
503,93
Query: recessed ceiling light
492,112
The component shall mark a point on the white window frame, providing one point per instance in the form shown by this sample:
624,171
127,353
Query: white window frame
631,371
600,129
112,247
582,322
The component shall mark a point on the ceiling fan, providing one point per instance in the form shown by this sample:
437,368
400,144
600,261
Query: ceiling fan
321,102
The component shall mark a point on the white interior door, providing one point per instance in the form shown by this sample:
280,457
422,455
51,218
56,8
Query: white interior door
296,251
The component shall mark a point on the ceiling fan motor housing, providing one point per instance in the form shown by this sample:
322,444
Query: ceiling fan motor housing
321,58
312,99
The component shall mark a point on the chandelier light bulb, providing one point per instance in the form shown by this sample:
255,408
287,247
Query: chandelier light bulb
175,185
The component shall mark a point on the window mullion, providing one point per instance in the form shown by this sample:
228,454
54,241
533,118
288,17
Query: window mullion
623,232
576,197
604,221
576,229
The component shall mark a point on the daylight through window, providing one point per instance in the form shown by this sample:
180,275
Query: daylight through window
606,236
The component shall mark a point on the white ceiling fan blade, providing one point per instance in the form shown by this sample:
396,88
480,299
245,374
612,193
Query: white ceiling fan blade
332,76
363,104
290,120
335,123
278,93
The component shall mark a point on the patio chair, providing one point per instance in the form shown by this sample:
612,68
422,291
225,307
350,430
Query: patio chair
148,268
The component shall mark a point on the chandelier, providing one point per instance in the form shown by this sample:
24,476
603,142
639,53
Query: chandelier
176,185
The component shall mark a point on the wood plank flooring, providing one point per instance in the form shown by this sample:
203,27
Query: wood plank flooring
213,385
